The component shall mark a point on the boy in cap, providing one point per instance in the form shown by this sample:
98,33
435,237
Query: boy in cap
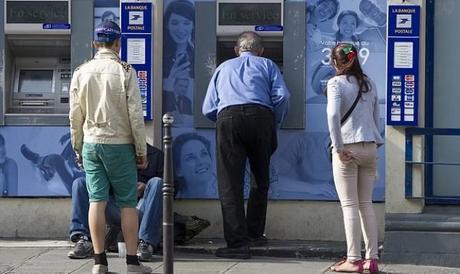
108,137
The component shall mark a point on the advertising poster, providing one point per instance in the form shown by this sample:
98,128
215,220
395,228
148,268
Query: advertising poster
106,10
194,154
178,60
37,161
194,163
328,22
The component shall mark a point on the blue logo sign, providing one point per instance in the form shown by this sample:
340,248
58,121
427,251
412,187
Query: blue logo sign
136,17
56,26
402,70
136,26
269,28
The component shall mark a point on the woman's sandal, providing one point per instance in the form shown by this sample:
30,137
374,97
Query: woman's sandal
357,266
371,266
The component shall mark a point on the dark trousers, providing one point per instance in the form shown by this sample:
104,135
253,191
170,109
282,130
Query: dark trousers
244,132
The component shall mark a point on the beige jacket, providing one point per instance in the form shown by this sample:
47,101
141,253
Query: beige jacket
105,104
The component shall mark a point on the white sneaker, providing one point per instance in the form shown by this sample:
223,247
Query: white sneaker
138,269
100,269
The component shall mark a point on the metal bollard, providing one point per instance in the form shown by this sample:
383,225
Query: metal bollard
168,196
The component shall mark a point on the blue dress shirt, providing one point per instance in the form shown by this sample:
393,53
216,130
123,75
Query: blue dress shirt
247,79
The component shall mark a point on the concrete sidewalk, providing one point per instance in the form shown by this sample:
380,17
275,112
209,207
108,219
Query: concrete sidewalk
50,257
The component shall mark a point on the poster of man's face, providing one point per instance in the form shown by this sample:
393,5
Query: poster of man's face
104,14
106,10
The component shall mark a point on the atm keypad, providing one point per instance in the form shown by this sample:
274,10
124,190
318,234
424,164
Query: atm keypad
65,75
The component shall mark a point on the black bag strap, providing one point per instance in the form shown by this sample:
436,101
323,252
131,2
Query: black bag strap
345,117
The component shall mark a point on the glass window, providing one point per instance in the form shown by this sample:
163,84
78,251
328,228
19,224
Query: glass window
446,97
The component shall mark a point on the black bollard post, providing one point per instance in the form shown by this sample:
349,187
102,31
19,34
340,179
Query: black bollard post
168,196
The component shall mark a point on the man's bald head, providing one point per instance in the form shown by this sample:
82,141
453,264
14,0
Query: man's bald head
249,41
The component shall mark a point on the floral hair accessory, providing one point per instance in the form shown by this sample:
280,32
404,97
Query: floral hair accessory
349,52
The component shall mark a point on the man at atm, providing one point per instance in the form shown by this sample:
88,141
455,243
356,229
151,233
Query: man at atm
248,99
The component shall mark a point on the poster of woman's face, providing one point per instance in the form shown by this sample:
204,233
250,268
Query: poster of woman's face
178,60
194,164
194,161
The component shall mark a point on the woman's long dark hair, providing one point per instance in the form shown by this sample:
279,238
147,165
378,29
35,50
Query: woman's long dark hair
345,59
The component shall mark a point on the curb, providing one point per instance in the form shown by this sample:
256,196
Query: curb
274,248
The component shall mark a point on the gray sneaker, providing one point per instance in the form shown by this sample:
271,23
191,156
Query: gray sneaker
145,251
83,249
100,269
138,269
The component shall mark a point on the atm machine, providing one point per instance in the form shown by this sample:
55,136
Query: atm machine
234,17
37,60
280,23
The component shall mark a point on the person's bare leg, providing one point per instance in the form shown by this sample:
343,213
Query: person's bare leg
129,226
97,225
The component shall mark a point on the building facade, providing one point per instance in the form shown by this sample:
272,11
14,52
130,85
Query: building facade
175,45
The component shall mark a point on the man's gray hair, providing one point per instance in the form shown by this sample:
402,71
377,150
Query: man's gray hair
249,41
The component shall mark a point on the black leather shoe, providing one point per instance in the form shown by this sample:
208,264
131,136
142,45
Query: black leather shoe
234,252
259,241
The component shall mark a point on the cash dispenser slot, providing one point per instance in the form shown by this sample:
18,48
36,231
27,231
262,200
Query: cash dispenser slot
33,103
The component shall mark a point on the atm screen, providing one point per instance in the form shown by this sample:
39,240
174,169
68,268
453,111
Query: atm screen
35,81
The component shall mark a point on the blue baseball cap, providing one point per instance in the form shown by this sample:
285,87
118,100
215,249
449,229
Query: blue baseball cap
107,31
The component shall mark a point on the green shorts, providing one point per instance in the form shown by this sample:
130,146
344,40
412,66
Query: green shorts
111,167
